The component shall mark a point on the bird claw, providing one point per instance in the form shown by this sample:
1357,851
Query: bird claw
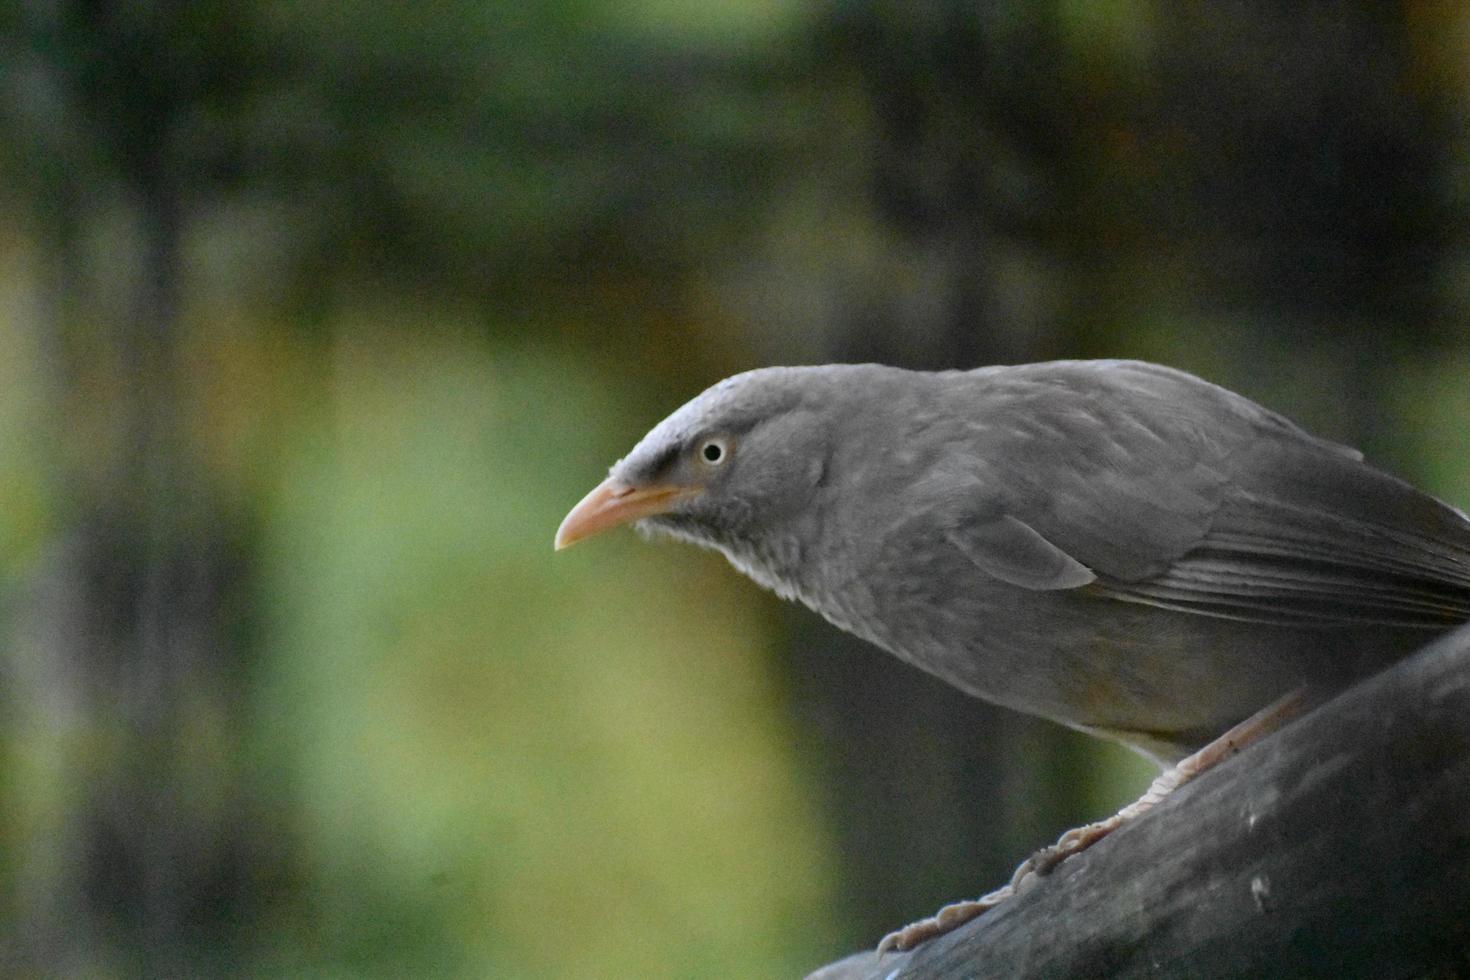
1079,839
947,919
1074,841
1026,875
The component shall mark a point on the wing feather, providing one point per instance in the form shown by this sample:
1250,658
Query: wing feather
1292,562
1183,495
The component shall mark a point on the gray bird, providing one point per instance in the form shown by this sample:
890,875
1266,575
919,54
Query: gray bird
1117,546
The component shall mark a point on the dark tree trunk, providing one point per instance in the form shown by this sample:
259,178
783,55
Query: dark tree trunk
933,795
1296,183
135,618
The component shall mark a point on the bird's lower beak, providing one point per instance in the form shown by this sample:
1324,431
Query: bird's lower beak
612,503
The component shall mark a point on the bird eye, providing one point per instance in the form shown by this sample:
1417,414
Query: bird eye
713,452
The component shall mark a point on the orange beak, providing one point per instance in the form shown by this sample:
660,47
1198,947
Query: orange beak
611,503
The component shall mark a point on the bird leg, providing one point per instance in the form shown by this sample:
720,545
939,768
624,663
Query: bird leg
1079,839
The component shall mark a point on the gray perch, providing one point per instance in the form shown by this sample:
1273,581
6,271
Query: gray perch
1337,847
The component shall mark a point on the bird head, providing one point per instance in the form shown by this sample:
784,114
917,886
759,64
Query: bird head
732,469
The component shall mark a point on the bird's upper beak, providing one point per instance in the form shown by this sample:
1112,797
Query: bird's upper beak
612,503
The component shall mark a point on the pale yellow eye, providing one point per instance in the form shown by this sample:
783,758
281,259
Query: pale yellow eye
714,452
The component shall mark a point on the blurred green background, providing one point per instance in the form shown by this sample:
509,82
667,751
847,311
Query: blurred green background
317,317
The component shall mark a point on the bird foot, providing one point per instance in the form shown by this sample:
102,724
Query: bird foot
947,919
1026,875
1079,839
1074,841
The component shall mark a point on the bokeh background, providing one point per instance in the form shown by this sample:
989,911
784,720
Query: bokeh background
315,318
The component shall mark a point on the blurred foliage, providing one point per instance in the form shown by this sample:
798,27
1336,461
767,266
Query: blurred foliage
501,767
318,316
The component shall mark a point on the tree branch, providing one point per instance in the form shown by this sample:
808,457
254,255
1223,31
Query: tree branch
1340,846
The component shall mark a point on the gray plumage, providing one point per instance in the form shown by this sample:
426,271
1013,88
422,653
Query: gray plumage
1118,546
